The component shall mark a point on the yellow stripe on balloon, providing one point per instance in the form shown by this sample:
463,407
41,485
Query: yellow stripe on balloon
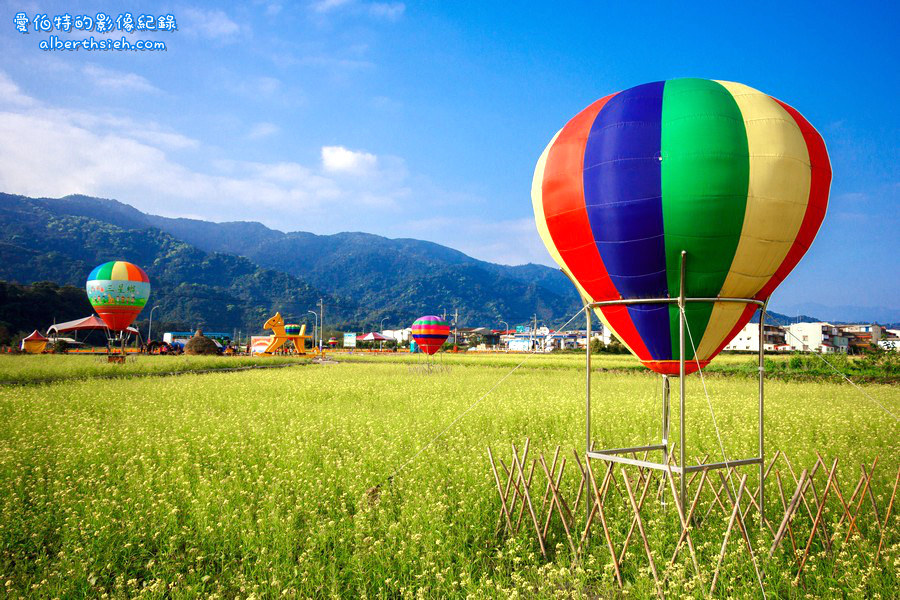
777,196
540,219
119,272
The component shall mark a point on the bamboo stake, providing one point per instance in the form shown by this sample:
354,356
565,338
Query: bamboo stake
537,528
583,478
755,492
634,520
874,504
522,506
837,490
555,499
858,487
812,486
792,507
862,496
604,487
811,474
517,481
505,496
547,488
812,532
503,510
599,505
784,508
550,480
717,498
740,517
685,528
640,524
690,515
887,515
583,482
734,514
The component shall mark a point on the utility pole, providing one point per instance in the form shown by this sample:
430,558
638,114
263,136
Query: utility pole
321,321
533,330
456,327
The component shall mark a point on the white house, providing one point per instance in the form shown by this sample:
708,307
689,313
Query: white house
890,340
820,337
748,339
398,335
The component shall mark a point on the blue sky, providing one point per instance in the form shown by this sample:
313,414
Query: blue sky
425,119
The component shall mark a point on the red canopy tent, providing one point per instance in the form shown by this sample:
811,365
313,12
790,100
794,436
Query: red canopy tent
372,337
34,343
87,323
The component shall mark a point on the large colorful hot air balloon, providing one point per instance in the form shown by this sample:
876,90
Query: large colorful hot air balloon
733,177
118,291
430,332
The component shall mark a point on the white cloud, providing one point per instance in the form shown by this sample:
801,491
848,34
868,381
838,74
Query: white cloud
851,198
11,94
266,86
328,5
508,242
263,87
338,159
117,81
262,130
211,24
387,10
384,10
47,151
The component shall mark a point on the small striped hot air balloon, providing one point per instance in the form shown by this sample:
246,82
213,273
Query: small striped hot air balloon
118,291
733,177
430,332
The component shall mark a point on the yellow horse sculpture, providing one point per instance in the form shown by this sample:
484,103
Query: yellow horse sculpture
280,336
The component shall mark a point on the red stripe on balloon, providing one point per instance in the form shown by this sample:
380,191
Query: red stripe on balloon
562,196
819,184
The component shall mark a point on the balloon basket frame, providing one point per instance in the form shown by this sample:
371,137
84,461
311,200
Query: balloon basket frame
429,365
680,469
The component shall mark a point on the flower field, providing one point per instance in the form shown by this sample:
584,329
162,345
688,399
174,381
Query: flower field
45,368
254,483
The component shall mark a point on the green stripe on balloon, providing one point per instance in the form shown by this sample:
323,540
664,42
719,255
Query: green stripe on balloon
105,271
705,176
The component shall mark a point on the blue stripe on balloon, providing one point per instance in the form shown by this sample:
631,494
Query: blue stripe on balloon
623,198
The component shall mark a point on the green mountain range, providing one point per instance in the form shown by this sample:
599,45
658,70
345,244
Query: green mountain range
233,275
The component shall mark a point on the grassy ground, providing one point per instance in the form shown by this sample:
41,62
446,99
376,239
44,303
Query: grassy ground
880,368
45,368
254,483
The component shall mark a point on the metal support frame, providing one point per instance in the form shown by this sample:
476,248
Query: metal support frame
681,469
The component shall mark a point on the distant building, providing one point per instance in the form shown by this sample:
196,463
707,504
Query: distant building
862,336
471,336
398,335
890,340
820,337
748,339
